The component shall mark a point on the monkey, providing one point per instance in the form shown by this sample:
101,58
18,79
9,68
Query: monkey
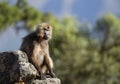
36,46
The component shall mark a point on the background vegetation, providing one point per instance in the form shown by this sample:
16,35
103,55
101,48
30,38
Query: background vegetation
83,54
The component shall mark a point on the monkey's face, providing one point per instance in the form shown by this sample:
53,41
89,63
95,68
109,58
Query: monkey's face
44,31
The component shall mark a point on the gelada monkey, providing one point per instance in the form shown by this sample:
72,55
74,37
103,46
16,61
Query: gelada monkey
37,49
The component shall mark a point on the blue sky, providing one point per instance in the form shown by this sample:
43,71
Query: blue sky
83,10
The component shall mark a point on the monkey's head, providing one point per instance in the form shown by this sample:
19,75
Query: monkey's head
44,31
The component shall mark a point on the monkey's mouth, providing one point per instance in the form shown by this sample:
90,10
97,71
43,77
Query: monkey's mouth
46,37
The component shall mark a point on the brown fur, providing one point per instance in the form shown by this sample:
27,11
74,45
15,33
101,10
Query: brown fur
37,48
19,83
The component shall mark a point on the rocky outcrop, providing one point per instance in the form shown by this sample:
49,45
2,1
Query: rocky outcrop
48,81
15,67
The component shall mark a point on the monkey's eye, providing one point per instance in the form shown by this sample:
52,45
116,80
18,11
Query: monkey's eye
46,29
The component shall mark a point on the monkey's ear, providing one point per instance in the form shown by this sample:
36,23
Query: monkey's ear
38,28
39,25
37,31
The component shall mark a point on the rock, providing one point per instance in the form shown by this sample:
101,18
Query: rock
48,81
15,68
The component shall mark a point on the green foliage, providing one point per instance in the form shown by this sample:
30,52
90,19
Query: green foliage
107,21
31,17
78,58
8,15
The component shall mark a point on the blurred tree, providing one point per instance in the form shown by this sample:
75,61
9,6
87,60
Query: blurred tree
109,25
6,15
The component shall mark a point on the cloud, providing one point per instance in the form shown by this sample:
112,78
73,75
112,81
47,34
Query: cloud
37,3
110,6
67,6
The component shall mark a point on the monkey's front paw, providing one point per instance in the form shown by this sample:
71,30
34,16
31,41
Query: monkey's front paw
53,75
42,77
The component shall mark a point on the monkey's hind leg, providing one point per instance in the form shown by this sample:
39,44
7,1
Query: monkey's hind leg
35,62
49,65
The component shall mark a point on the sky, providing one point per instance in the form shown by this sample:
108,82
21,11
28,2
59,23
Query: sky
83,10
